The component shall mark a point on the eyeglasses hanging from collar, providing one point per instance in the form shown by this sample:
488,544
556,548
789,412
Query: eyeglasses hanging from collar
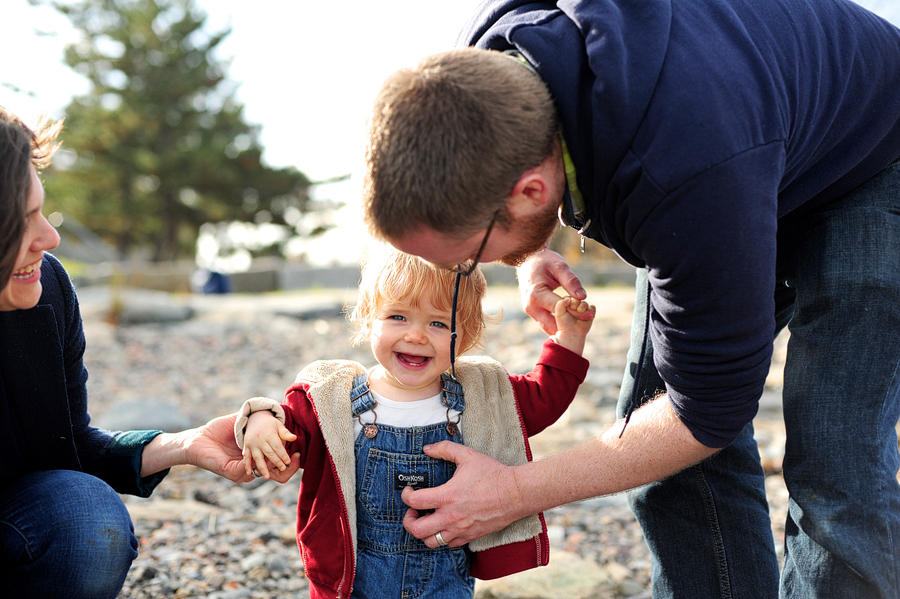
468,267
464,270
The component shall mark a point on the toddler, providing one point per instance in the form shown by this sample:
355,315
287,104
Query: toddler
360,434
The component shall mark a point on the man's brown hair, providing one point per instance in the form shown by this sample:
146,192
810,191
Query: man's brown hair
20,147
448,140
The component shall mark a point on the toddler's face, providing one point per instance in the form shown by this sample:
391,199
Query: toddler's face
412,345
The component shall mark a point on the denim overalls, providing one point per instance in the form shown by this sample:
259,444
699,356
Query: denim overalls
391,563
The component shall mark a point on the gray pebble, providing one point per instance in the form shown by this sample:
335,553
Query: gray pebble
254,560
278,563
212,538
242,593
630,588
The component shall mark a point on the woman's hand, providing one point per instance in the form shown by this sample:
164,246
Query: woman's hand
211,447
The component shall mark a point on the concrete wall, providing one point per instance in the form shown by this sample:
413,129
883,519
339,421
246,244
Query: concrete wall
272,275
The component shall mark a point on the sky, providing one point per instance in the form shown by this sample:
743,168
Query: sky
308,71
308,74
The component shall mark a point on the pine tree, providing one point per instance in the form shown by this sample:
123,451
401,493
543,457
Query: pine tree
159,145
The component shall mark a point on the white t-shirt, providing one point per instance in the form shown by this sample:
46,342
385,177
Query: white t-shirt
406,414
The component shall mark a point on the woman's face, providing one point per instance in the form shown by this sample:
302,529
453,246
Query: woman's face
23,290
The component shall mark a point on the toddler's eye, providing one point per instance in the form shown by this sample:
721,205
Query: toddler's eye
439,325
396,317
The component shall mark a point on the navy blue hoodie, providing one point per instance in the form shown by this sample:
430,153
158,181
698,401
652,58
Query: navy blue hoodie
694,126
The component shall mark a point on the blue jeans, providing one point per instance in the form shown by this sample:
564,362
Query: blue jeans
708,527
64,534
391,563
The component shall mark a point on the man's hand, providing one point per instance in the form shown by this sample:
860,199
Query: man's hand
482,497
539,277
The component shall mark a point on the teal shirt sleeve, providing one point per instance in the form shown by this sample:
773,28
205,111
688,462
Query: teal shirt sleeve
122,464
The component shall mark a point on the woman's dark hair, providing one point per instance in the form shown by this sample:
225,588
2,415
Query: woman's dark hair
20,147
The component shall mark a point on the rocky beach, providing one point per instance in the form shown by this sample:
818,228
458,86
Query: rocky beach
161,361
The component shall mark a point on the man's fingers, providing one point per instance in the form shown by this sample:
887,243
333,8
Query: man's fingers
539,279
411,521
449,451
544,298
468,506
540,305
235,472
562,272
431,538
545,320
571,283
422,523
421,520
416,503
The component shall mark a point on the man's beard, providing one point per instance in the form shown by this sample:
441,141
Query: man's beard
537,229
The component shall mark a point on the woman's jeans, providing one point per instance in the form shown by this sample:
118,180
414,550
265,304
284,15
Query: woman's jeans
64,534
708,527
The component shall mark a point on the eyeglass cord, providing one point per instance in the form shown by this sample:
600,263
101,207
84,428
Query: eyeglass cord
453,326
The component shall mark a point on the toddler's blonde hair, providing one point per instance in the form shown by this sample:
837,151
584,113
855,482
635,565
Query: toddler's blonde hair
392,276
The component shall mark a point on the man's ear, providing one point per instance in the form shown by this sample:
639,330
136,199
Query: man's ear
534,189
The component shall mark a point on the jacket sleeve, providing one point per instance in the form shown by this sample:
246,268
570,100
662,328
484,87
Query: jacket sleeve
546,392
254,404
299,417
710,247
112,457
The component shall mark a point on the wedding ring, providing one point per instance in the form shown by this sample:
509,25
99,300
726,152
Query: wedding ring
440,539
256,473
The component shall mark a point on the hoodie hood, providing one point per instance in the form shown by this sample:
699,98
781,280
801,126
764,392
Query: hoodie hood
601,61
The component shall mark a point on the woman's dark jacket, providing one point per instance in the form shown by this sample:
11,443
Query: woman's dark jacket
44,421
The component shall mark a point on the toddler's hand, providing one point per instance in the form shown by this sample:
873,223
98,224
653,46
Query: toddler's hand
574,318
571,313
264,438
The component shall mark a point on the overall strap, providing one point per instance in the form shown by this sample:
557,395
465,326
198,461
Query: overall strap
452,396
361,399
452,393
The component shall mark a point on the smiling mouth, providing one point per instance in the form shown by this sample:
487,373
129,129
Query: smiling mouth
412,360
27,272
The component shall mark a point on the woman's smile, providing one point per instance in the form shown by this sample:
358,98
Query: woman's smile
27,272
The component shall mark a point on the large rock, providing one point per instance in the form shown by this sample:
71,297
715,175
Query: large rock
567,575
133,306
144,414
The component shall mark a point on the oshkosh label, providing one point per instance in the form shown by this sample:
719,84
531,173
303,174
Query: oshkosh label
416,480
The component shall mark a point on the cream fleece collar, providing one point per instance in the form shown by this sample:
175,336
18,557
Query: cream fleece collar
490,422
